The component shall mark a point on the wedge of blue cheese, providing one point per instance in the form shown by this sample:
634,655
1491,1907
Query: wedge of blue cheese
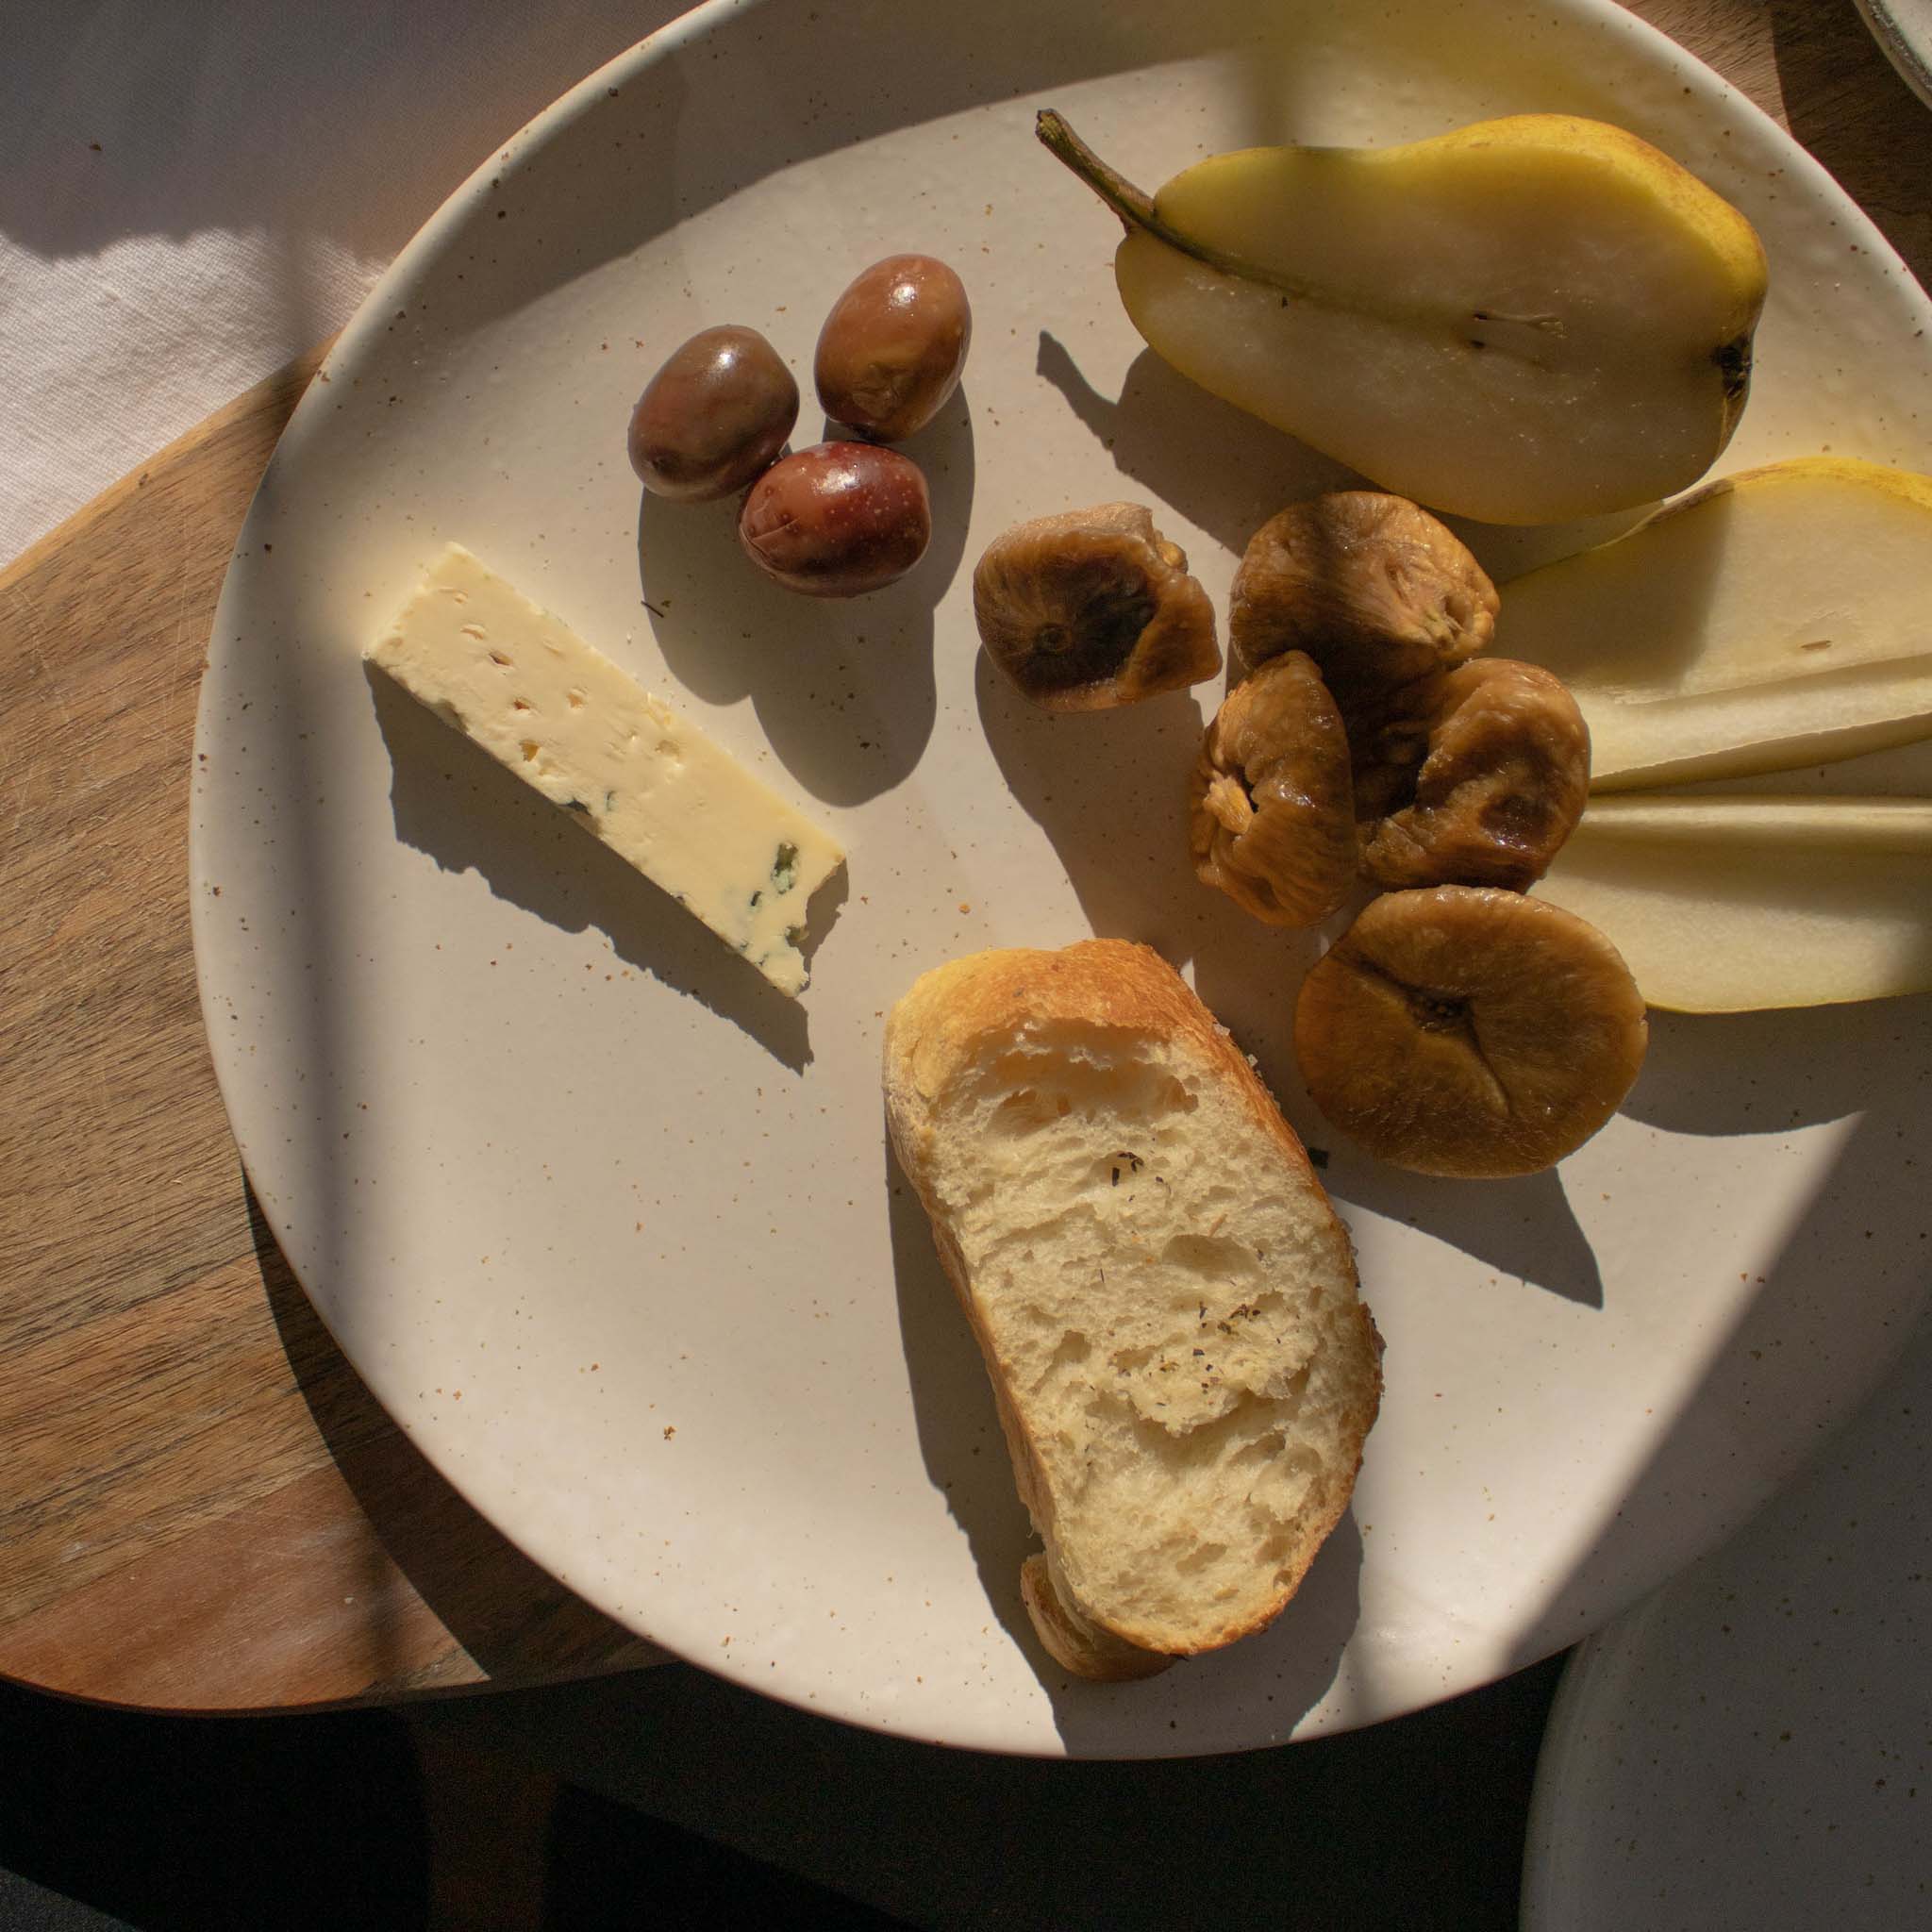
565,719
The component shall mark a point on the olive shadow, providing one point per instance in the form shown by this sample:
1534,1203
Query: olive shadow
1291,1666
453,801
843,688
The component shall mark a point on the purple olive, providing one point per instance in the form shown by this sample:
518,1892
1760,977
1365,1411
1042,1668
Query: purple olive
837,520
892,349
714,417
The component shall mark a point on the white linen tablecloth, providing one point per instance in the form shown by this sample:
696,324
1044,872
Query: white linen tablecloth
194,191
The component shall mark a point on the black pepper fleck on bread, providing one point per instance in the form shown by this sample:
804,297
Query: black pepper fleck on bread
1164,1297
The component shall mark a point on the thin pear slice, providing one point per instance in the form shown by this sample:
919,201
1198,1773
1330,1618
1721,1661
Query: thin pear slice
1525,321
1778,618
1727,905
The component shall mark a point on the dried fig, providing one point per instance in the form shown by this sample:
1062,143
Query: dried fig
1373,589
1474,777
1093,608
1469,1032
1271,813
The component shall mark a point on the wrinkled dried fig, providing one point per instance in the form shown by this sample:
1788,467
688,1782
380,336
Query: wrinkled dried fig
1373,589
1469,1032
1093,608
1271,810
1474,776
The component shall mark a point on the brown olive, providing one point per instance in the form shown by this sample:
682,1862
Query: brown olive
714,417
837,520
891,351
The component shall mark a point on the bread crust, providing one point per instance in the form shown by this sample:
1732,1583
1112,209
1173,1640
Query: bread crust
932,1038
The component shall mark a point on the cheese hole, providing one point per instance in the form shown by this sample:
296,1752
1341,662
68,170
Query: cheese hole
529,750
497,658
517,704
576,701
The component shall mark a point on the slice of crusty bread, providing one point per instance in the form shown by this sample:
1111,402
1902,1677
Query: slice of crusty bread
1164,1297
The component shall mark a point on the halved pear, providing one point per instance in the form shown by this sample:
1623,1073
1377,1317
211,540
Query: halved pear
1525,321
1726,905
1778,618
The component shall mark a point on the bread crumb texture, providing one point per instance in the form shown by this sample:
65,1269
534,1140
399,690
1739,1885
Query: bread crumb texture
1164,1295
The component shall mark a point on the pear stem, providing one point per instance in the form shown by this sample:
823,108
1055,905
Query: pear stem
1136,208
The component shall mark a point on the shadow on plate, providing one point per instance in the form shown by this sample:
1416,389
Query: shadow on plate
1289,1667
513,1618
1829,1315
1110,791
843,687
1280,1675
1525,1229
1161,425
959,1436
451,799
1725,1074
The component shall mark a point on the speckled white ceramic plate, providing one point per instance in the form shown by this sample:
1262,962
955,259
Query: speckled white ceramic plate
1751,1747
611,1228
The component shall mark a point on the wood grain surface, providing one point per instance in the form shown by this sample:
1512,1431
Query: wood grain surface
201,1507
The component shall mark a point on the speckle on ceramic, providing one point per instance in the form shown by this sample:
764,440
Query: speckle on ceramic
1751,1746
527,1131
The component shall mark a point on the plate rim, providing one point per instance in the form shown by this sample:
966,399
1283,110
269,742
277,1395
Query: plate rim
1657,47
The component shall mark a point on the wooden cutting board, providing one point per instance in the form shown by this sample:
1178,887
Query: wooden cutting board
201,1507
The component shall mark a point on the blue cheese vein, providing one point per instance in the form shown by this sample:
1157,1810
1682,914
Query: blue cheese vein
568,722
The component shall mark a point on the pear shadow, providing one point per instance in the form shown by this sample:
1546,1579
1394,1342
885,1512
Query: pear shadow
1507,551
960,1440
453,801
1728,1073
1159,429
843,688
